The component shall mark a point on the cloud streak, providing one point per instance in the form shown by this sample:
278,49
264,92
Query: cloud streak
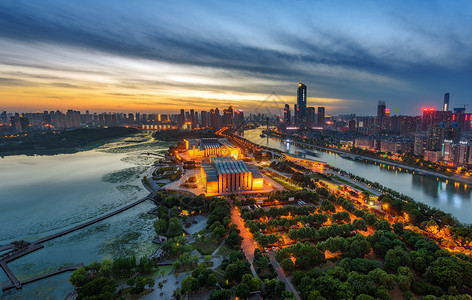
365,52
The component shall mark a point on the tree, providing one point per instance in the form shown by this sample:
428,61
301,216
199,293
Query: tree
382,278
145,265
241,290
383,225
220,295
288,265
359,224
396,258
160,226
78,277
361,284
219,232
370,219
234,240
254,283
398,228
450,271
100,287
105,267
175,227
189,284
150,283
140,284
261,263
405,278
236,270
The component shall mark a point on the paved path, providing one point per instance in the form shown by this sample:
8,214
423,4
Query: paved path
248,244
172,283
282,277
347,178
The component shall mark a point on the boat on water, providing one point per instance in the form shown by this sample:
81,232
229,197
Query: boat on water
311,153
346,156
358,158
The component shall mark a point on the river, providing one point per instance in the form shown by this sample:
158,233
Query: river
43,194
451,197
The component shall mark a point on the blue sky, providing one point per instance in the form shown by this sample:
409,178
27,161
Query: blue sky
162,56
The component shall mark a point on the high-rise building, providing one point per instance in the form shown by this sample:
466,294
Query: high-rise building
192,118
352,125
15,123
205,118
446,102
321,116
238,119
301,103
228,116
381,109
310,117
296,115
24,123
381,113
215,118
182,117
287,117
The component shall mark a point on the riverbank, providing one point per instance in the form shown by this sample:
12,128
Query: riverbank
453,177
65,142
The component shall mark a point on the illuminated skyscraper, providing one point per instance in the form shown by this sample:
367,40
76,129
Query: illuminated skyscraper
301,103
446,102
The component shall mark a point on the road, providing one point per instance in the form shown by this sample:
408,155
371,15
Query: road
248,245
282,277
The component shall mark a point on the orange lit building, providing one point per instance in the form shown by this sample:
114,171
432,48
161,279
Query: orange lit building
210,147
226,174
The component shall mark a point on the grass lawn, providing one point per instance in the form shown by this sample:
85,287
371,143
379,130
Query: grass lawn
166,268
319,177
284,183
354,185
128,296
157,272
206,246
224,251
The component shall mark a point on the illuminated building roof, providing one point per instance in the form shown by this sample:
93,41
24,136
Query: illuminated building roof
255,171
210,172
228,165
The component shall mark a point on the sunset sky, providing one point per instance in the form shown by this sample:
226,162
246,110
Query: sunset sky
161,56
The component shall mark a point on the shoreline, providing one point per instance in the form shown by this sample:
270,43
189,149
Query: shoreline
64,150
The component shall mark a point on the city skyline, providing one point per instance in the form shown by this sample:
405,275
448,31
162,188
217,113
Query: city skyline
160,58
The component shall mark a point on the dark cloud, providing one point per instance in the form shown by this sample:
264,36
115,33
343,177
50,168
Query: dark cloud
66,85
15,82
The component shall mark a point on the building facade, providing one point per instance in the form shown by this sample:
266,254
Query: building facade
226,175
